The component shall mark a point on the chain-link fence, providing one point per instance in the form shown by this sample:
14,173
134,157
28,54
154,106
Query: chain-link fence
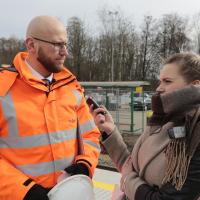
128,108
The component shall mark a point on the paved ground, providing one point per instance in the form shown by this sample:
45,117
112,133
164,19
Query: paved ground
104,182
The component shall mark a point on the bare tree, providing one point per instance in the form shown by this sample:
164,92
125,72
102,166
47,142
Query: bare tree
126,47
118,44
172,35
76,45
196,32
9,48
119,52
108,19
146,51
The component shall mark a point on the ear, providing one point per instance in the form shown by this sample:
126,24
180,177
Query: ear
30,45
196,82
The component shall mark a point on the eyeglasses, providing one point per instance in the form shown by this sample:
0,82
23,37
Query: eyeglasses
57,45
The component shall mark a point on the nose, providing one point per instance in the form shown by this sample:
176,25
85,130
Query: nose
63,51
160,88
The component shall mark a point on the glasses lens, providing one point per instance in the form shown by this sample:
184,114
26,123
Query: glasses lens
60,46
57,45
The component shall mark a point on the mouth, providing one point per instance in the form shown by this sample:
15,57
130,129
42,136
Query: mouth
61,61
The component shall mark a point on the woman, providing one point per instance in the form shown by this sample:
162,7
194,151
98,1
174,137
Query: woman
165,161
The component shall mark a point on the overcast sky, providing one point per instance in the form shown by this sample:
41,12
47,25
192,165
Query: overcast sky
16,14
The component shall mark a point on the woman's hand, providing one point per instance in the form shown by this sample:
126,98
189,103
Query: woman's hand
103,119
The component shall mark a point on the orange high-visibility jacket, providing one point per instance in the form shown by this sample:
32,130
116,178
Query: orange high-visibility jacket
38,129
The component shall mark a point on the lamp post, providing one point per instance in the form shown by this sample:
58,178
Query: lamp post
112,14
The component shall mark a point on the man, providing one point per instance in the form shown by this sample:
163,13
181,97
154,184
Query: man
38,118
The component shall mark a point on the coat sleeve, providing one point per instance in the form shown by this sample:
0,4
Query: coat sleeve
190,190
119,154
14,184
89,137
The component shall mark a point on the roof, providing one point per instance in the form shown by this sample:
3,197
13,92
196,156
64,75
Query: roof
120,84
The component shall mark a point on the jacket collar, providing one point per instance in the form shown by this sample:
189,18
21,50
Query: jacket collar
61,78
178,106
181,100
37,74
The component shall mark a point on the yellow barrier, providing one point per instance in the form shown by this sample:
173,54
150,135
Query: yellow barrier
104,186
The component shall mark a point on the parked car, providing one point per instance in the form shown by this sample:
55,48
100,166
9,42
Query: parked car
140,104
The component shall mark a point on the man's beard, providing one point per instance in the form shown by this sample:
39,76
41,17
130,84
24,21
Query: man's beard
47,63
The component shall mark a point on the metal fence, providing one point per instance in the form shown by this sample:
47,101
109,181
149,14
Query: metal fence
121,104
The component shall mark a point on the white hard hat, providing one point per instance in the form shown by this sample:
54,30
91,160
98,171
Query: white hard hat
74,187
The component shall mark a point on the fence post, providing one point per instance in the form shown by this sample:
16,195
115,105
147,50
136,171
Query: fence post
143,110
132,110
117,109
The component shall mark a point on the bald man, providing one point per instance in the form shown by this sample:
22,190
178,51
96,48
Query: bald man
45,125
42,32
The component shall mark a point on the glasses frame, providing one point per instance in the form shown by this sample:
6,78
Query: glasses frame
59,45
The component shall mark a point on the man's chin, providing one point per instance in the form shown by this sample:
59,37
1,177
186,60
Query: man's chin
58,68
60,64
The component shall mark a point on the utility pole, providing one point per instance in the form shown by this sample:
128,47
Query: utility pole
112,14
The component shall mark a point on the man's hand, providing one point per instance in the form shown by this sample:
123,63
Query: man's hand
37,192
78,168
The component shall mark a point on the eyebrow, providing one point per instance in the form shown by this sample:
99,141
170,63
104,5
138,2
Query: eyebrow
167,78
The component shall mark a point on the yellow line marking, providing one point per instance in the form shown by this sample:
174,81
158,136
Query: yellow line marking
104,186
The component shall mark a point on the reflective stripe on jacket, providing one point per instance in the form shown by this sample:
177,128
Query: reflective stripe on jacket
38,136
